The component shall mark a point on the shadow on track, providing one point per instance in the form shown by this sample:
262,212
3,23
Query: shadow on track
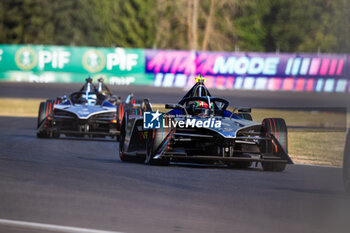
337,194
80,139
212,166
110,161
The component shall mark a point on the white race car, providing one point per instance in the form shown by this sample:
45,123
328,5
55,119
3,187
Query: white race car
90,112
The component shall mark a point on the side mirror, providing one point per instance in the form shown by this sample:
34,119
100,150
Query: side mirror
173,106
147,105
176,106
113,98
241,110
62,98
130,97
244,109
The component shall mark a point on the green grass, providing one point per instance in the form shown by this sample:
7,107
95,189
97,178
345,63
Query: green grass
306,147
303,118
321,148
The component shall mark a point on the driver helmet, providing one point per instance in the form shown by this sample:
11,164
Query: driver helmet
92,99
202,104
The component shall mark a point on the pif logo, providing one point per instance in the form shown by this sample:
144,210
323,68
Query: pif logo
93,61
152,120
26,58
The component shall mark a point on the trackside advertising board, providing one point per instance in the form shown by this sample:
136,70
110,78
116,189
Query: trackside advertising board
119,66
251,71
175,68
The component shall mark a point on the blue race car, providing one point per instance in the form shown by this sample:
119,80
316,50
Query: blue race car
200,129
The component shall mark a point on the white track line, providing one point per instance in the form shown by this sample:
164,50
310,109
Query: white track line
49,227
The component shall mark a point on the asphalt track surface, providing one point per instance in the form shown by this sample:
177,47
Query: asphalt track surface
260,99
82,183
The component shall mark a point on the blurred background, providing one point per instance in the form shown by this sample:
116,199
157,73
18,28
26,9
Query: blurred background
284,58
220,25
264,45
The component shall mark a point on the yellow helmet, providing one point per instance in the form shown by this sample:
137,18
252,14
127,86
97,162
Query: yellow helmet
201,79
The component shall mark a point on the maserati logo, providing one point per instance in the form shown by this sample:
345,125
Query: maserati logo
93,61
26,58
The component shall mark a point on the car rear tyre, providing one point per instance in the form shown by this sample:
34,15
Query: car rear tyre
122,155
45,111
277,127
41,118
41,113
153,142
